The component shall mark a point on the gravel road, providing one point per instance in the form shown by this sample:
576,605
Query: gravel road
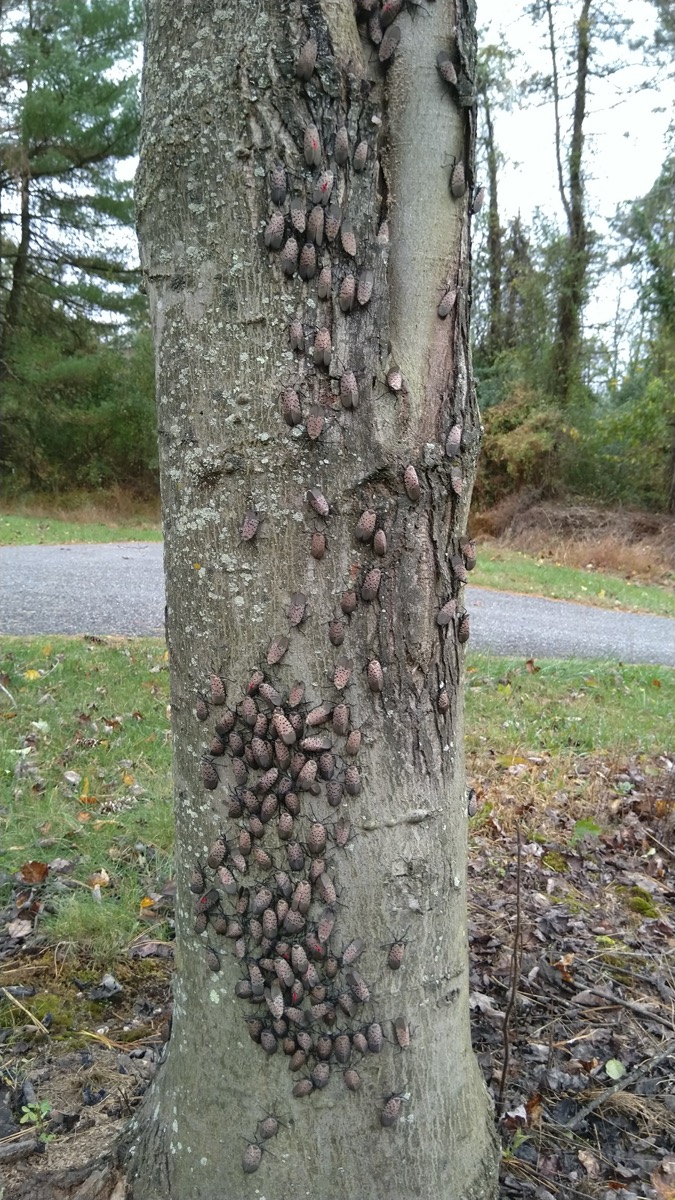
119,589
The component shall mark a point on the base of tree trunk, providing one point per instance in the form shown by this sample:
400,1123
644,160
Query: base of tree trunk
99,1179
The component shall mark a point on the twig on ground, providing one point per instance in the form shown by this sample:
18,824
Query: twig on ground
31,1016
619,1086
638,1009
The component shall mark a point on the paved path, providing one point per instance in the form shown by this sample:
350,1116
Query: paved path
107,589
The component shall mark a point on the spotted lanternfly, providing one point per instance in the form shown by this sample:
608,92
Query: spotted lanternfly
292,803
364,289
217,689
201,921
360,156
267,781
317,546
347,293
375,1037
250,801
352,1080
366,6
298,1017
445,68
312,146
251,1158
326,889
282,724
332,222
217,747
375,29
289,256
243,989
389,11
348,238
278,183
315,226
284,884
323,188
349,391
334,793
446,614
389,43
323,1047
331,967
315,423
326,925
316,838
212,959
316,869
289,1045
456,480
297,1061
458,179
197,882
371,584
402,1032
296,857
268,809
463,628
201,709
457,564
297,763
365,526
359,990
296,694
348,603
262,753
341,149
255,1028
380,542
302,896
307,262
307,776
342,1048
336,632
256,827
256,977
219,924
294,922
347,1003
285,826
268,1041
324,283
447,303
268,1128
360,1042
391,1112
411,484
296,615
209,775
375,676
353,743
472,804
353,951
274,999
342,673
352,780
478,200
216,853
315,745
225,723
261,726
468,548
277,648
296,335
234,807
443,701
248,711
321,1011
318,716
395,380
340,719
298,214
274,231
226,880
304,1087
453,441
241,775
322,349
306,60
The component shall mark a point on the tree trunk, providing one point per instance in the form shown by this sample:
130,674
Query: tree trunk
494,238
572,286
223,105
19,276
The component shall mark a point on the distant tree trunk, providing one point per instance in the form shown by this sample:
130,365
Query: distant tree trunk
19,275
224,107
572,285
494,231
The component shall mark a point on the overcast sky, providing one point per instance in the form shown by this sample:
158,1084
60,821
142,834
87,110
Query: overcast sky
626,127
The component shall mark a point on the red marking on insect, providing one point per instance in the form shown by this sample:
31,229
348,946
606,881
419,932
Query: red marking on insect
389,11
312,146
323,188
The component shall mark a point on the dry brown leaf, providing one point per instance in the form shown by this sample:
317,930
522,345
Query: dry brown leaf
33,872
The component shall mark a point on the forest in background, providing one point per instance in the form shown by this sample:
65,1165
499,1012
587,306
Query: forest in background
568,408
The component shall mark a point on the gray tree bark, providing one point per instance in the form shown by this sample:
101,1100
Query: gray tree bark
223,105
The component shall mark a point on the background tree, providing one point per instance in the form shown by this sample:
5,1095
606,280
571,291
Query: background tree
317,452
69,115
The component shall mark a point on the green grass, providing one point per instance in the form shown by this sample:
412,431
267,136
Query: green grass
511,571
565,707
98,708
48,531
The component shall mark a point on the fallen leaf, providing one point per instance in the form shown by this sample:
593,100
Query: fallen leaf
31,674
147,902
615,1069
656,683
99,879
590,1162
529,663
19,928
33,872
